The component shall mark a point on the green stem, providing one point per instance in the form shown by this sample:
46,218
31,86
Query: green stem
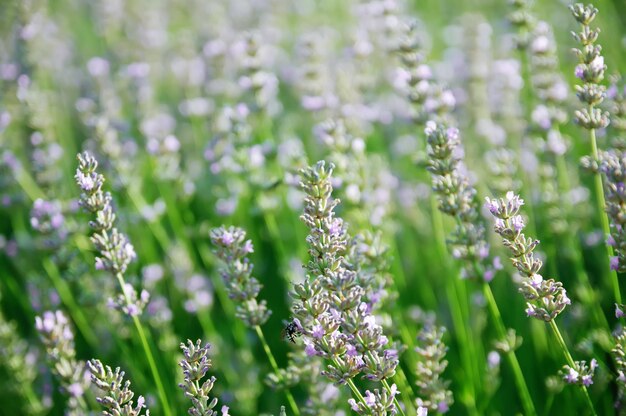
355,391
604,219
147,350
570,362
153,367
272,360
33,400
458,319
527,403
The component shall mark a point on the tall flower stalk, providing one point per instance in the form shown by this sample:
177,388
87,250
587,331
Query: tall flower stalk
58,339
591,93
545,298
243,289
335,322
457,198
115,254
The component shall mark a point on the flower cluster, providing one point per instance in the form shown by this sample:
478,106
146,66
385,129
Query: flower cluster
314,81
414,76
617,96
522,19
47,218
195,365
548,84
233,248
118,398
619,355
434,393
58,339
590,70
369,256
377,403
581,373
260,82
116,251
613,168
457,198
337,324
545,298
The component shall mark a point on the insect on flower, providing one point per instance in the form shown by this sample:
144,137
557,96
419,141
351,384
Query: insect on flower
292,330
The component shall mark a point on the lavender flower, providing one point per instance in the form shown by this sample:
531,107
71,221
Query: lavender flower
590,70
118,398
317,303
414,77
457,198
261,83
617,97
523,20
376,403
547,81
613,168
335,323
619,355
116,252
545,299
47,218
243,289
195,365
581,373
56,335
433,389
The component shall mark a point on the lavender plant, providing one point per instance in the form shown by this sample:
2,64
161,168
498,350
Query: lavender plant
195,365
116,254
243,289
58,339
204,113
545,298
591,94
118,397
335,322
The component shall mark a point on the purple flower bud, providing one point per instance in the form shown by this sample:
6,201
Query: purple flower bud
579,72
572,376
310,350
318,331
492,205
452,134
518,223
614,263
489,275
353,405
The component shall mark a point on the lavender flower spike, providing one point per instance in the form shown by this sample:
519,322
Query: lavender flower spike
58,339
115,250
590,70
118,400
243,289
195,366
545,299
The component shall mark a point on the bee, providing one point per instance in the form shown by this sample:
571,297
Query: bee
291,331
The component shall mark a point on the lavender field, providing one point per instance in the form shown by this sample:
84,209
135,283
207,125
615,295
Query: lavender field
312,207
